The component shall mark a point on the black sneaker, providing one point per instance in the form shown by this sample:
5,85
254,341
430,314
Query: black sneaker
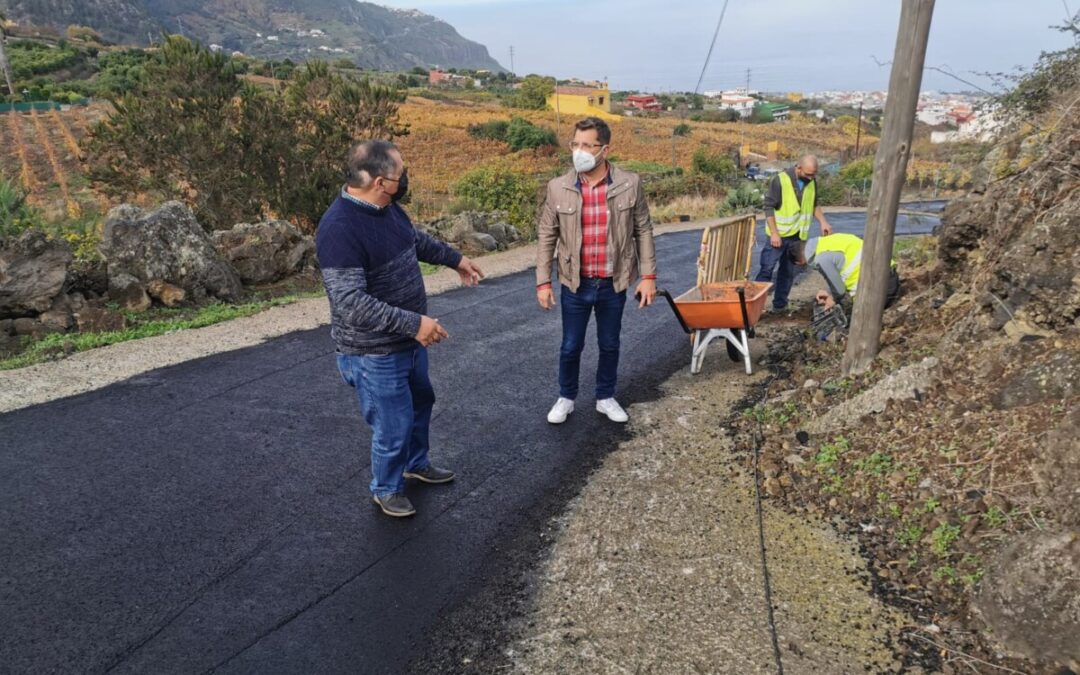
396,505
432,474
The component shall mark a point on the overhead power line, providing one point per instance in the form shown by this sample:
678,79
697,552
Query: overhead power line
712,44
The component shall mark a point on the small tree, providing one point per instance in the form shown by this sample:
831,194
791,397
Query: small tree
533,93
191,129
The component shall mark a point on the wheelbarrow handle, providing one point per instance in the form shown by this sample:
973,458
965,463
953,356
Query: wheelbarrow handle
745,317
674,308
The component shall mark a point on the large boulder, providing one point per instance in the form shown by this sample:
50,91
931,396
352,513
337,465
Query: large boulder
477,243
462,230
128,292
90,278
265,252
99,320
1030,596
167,243
32,273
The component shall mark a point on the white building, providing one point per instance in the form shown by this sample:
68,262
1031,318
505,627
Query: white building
983,128
740,103
933,115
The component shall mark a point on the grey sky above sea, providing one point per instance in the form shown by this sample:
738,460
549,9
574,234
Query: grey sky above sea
788,45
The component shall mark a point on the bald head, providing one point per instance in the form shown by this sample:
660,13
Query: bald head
806,169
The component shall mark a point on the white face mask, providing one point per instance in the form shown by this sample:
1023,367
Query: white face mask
584,161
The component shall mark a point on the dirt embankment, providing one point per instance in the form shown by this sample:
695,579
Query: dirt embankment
955,459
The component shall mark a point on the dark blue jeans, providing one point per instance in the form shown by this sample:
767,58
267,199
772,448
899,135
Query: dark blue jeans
593,295
785,275
395,398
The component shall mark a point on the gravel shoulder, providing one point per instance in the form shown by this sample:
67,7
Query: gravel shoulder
656,568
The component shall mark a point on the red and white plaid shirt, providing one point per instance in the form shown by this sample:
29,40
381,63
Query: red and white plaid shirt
595,258
595,261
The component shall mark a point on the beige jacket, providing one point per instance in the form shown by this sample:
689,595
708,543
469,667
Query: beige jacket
629,227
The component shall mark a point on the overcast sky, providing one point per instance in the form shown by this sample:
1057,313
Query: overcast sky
788,45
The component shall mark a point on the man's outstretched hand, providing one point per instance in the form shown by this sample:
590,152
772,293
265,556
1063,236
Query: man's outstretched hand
470,272
431,331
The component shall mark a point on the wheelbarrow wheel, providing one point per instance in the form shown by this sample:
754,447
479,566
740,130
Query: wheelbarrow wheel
733,351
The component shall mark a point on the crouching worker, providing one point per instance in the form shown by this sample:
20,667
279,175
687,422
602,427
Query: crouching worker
838,257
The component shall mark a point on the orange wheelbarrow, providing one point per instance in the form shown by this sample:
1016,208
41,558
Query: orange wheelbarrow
724,309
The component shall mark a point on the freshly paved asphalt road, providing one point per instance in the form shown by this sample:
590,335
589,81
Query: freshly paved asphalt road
214,516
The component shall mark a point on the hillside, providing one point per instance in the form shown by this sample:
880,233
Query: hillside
370,35
955,459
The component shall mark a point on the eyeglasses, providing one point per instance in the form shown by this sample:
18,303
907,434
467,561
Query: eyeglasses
574,145
403,170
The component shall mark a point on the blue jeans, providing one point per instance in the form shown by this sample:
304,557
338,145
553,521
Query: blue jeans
785,276
592,295
396,398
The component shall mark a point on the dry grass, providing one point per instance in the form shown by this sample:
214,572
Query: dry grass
695,206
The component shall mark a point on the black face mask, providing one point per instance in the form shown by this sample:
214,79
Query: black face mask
402,187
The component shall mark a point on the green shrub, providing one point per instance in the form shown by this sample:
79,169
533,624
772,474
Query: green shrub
831,191
724,115
495,187
32,58
495,130
858,173
646,168
746,197
519,133
717,166
667,189
16,216
682,129
522,134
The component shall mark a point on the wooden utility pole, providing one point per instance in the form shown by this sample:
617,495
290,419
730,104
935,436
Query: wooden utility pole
858,130
890,169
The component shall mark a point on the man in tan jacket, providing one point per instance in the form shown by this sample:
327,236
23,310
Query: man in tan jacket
595,224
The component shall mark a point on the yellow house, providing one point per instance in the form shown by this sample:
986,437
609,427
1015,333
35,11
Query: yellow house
584,101
795,96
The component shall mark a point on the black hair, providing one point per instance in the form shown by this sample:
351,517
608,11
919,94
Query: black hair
603,131
367,160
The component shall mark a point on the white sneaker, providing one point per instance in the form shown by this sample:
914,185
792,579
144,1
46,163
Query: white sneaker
612,409
559,411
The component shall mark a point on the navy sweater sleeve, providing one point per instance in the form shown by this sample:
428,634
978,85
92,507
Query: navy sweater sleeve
370,269
431,250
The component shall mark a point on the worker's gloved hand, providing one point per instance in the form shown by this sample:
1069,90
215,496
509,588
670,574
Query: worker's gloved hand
824,298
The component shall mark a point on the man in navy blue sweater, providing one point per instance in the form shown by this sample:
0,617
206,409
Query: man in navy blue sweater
369,254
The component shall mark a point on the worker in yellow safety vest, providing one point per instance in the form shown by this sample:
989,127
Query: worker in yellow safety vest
790,206
838,257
